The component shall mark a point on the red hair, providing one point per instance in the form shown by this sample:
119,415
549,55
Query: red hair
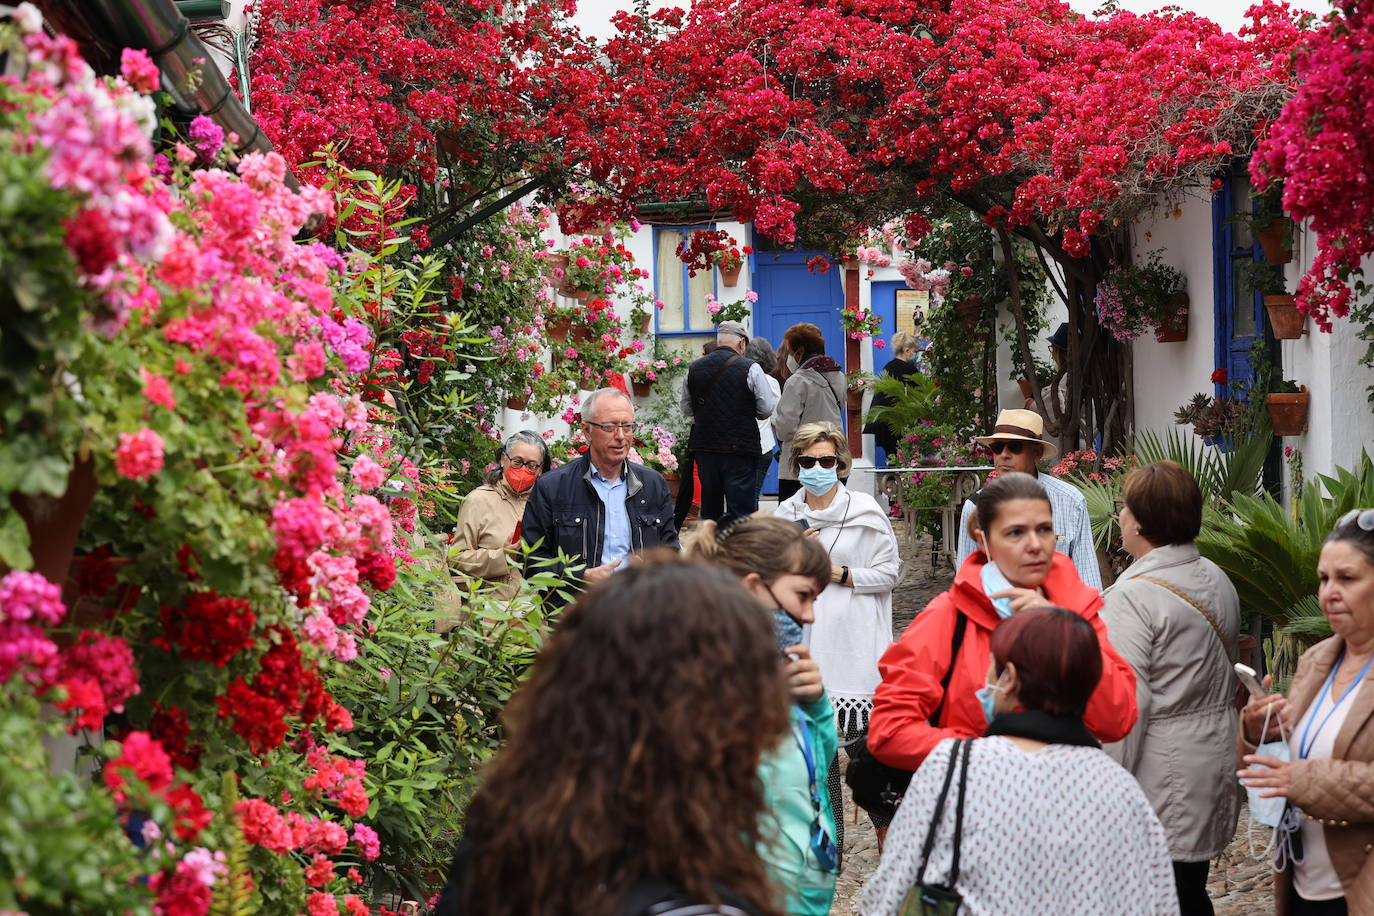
1057,657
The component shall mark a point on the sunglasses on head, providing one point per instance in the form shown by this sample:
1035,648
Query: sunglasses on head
825,461
1014,446
1363,517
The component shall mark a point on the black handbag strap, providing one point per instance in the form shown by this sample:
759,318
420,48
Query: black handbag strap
955,644
959,813
929,843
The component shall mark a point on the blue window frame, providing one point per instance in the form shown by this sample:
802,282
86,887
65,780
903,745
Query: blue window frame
1238,313
684,297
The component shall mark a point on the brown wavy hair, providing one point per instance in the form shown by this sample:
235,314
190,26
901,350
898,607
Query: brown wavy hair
633,751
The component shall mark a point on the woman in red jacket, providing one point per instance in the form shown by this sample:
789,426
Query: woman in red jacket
1016,537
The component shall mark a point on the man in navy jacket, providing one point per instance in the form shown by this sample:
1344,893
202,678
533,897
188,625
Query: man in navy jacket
601,507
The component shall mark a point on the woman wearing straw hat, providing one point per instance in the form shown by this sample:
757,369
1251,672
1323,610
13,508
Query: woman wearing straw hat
1017,443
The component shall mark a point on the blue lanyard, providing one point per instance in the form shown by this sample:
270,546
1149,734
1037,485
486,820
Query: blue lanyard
807,754
1304,747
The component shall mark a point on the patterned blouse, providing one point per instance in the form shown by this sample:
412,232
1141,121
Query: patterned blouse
1061,830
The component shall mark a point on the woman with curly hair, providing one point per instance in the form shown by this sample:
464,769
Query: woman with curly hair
628,784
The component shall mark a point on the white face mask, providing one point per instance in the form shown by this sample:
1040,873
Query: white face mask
792,363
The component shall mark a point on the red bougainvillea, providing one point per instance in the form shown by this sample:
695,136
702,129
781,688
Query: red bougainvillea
1321,149
843,111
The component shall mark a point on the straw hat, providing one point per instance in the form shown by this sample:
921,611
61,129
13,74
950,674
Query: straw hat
1020,426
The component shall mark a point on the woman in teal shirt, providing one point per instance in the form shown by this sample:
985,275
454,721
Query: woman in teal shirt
785,571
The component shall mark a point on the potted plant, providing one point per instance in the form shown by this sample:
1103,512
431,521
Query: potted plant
1138,298
1287,404
857,384
1267,280
705,248
1269,226
858,323
740,310
653,448
643,375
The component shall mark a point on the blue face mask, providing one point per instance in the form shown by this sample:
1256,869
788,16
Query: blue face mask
818,480
988,697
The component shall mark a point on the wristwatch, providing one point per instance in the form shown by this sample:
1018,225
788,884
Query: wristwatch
844,575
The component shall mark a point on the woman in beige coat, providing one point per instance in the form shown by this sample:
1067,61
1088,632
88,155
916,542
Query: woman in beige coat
489,518
813,393
1174,616
1328,718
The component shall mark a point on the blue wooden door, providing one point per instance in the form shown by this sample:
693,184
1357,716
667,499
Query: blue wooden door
1238,315
790,294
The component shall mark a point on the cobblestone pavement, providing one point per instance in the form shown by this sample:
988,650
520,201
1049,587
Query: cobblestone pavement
1240,885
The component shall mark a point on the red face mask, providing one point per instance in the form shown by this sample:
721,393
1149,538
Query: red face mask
520,479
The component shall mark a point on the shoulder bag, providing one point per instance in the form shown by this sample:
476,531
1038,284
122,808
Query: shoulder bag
877,787
942,899
1216,628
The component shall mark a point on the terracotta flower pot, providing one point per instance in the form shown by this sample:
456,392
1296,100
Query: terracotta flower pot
1273,239
729,276
583,295
581,333
644,320
558,329
1027,388
674,482
1176,328
517,402
854,398
1284,317
642,389
970,310
55,521
1288,412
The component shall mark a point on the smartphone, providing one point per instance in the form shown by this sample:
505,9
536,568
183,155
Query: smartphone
803,524
993,582
1248,677
787,631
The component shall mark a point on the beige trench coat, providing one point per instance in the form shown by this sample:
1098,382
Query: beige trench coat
1338,791
486,528
1180,748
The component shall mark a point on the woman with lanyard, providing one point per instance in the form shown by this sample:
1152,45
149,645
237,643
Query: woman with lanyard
1327,772
785,571
853,625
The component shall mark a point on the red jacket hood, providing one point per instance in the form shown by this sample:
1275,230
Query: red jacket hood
1062,586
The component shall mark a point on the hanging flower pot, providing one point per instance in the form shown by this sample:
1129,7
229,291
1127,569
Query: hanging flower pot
1175,328
729,276
970,310
1273,238
854,398
558,329
644,319
517,402
674,482
1027,388
1284,317
55,521
642,389
583,295
1288,412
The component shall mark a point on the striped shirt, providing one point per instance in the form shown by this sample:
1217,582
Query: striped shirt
1073,534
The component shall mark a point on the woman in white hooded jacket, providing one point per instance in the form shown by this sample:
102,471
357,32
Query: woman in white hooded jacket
854,614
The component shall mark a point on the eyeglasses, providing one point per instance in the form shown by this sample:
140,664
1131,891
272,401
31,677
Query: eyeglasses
626,428
825,461
1363,517
1014,446
532,463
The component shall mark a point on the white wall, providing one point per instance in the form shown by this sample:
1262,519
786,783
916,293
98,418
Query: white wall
1168,374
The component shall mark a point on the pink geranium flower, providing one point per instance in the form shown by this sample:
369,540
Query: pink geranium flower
139,455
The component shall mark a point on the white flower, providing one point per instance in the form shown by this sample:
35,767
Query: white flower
26,16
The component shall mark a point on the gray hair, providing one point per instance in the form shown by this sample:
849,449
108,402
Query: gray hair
761,351
528,437
589,405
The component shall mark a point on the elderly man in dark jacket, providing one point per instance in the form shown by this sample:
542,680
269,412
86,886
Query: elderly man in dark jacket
599,508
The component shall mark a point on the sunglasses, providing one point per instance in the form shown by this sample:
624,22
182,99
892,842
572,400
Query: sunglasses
825,461
1363,517
1013,446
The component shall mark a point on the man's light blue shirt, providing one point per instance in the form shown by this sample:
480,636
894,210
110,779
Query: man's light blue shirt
616,544
1073,533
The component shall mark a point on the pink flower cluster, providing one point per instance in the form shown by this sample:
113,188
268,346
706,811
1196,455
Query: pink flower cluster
28,601
139,455
921,275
